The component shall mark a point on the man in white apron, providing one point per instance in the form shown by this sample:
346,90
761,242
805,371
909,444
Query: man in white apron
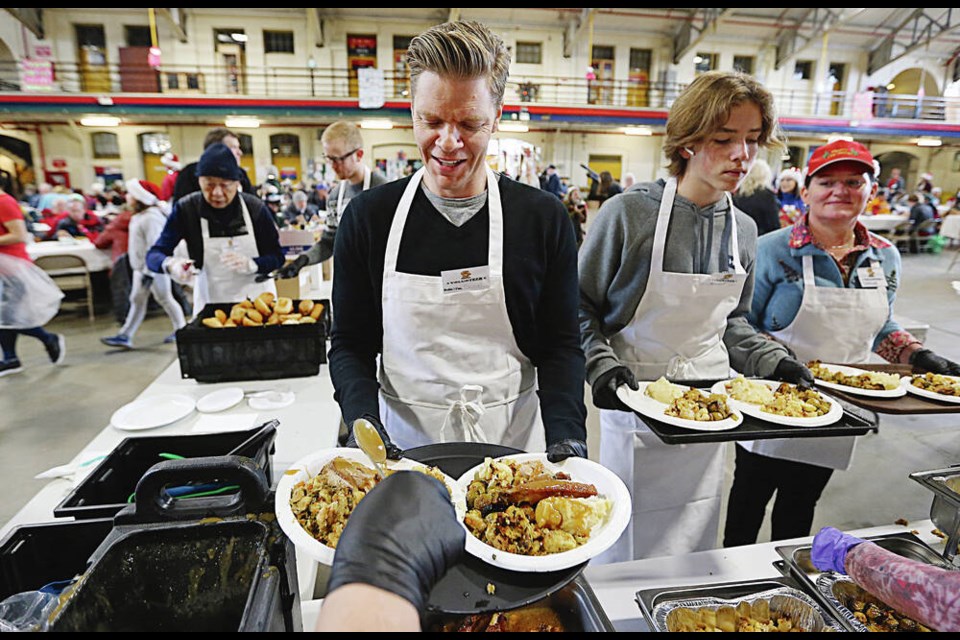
463,282
846,292
230,236
343,151
665,281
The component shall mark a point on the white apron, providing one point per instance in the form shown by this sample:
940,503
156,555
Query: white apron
676,331
835,324
451,369
218,283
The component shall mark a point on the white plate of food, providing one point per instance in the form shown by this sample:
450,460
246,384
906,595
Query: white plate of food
885,385
949,387
152,412
780,402
355,471
580,516
656,406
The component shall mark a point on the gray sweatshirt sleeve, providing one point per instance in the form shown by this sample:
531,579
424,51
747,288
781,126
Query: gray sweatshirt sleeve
323,249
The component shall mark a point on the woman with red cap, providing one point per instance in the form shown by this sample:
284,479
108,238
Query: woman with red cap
825,288
145,227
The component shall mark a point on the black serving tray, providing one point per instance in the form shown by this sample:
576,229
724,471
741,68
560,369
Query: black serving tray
463,590
856,421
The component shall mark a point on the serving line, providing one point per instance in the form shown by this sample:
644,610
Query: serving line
616,585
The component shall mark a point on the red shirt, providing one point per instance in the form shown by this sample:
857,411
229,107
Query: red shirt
10,211
116,236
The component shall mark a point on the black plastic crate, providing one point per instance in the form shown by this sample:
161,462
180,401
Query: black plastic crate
252,353
106,490
34,555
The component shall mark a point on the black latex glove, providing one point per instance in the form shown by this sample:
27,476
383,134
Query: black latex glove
402,537
927,360
393,451
291,270
605,388
569,448
789,370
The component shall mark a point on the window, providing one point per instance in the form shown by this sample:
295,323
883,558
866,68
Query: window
640,60
105,145
744,64
601,52
803,70
155,143
704,62
138,36
278,41
285,144
529,53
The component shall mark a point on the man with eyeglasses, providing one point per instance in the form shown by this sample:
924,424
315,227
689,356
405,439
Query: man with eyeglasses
230,236
825,288
343,151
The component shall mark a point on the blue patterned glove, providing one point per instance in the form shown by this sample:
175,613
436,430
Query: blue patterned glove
830,547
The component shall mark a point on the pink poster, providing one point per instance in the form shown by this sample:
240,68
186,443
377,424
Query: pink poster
36,75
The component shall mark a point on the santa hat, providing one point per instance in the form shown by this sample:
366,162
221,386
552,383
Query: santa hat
170,161
793,173
144,191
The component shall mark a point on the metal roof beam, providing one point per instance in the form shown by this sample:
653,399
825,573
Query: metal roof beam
920,30
695,28
178,21
32,19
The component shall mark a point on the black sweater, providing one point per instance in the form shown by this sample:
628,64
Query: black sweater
540,280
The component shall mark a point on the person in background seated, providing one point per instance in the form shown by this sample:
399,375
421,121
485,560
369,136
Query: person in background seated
77,222
145,228
920,212
896,184
920,591
299,211
879,205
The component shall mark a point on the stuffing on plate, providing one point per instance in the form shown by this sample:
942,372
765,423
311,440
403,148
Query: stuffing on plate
523,508
694,405
936,383
322,504
869,380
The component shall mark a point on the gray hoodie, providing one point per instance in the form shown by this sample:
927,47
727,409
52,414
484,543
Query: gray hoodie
615,264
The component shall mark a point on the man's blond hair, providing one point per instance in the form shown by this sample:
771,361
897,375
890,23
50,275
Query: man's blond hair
704,107
343,131
462,50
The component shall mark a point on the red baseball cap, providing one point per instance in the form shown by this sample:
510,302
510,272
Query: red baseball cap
839,151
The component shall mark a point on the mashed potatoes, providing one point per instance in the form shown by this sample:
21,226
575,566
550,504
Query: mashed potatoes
664,391
749,391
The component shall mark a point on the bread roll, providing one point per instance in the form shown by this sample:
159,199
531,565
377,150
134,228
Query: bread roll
248,322
267,297
237,313
308,320
229,323
221,316
247,304
273,319
317,311
255,315
290,316
305,307
262,307
283,306
213,322
291,322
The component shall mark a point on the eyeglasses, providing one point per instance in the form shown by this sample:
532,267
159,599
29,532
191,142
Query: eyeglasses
339,159
853,184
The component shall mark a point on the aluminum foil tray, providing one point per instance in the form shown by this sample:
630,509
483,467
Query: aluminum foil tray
839,590
802,610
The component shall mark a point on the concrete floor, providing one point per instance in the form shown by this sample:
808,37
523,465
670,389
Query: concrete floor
48,413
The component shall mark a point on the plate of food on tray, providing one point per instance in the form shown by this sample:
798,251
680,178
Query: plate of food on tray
525,513
860,382
681,406
780,402
316,496
933,386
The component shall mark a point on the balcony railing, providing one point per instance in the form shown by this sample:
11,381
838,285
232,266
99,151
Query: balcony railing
296,82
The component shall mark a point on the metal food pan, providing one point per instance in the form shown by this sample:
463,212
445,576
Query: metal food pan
945,508
665,609
576,605
839,592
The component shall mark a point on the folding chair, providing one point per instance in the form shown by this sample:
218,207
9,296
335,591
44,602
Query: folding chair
70,273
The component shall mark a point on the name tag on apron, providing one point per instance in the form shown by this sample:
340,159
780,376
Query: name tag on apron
872,278
470,279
